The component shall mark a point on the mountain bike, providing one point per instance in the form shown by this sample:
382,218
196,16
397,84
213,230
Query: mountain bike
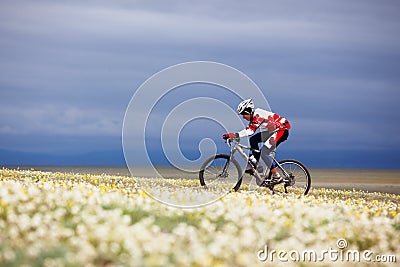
224,168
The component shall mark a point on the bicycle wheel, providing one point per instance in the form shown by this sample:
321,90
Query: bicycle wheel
219,172
299,180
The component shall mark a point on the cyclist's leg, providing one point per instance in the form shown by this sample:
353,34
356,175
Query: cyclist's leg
282,136
260,137
254,141
269,149
267,153
254,156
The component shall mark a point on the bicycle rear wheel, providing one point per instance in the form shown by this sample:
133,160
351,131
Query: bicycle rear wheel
299,180
220,172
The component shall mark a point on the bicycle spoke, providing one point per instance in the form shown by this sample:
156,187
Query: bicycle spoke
300,175
214,172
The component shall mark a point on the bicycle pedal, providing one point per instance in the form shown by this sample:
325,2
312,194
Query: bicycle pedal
273,183
267,183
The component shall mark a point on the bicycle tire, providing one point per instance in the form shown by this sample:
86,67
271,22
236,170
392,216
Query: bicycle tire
222,160
301,175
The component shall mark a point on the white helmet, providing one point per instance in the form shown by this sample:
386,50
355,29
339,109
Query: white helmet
246,107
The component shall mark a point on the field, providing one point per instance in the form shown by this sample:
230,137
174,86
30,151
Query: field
86,219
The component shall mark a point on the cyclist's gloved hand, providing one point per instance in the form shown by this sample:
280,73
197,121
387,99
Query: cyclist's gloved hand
229,136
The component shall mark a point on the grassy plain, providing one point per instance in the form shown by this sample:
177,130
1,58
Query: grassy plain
85,218
385,181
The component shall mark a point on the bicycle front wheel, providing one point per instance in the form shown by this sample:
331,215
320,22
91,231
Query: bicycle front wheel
298,179
220,172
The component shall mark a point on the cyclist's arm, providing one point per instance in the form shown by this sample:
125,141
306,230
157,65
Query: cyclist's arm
249,130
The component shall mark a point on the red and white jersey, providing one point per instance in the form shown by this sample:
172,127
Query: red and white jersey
266,121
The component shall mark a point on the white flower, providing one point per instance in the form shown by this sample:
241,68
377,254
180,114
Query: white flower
98,219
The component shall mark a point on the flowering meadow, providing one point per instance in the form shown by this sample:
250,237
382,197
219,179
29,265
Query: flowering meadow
66,219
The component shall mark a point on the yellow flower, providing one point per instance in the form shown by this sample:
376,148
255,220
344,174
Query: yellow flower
3,204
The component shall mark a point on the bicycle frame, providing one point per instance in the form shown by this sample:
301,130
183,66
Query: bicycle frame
239,148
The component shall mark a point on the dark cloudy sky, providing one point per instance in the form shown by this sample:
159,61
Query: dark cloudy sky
69,69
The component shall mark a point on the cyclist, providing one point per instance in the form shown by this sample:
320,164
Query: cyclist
274,130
